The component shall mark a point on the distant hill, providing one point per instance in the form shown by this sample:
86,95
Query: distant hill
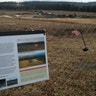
36,5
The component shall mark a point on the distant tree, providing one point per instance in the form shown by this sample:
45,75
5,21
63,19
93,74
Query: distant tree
33,5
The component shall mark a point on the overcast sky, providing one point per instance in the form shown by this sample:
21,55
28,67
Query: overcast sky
51,0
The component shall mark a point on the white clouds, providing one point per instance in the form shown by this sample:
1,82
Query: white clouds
10,0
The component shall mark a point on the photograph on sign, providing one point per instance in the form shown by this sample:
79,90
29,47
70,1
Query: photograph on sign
32,53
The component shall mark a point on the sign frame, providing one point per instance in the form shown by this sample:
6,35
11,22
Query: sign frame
25,53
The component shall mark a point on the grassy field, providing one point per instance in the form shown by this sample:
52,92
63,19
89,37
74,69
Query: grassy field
72,71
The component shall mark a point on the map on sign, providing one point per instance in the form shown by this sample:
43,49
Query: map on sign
23,58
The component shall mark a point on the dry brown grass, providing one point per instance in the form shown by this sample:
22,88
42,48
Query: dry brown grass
72,71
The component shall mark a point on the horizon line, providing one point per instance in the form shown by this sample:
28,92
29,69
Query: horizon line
49,1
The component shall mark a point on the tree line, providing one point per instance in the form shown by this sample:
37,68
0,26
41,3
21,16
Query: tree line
65,6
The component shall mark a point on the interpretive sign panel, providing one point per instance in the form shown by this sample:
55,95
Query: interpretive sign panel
23,58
